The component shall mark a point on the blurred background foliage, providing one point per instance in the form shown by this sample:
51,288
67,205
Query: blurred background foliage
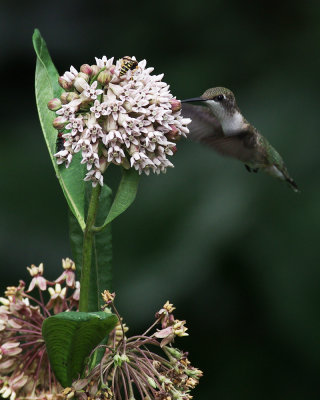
237,253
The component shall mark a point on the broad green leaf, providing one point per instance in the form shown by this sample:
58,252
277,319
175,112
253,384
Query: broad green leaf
125,195
101,268
46,88
70,337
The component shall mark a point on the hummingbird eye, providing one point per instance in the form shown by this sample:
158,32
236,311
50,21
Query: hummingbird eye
220,97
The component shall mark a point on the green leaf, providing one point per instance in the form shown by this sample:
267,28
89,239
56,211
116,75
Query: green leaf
125,196
70,337
101,268
46,88
126,193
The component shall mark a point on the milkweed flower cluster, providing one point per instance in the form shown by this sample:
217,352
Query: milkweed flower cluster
130,369
24,366
117,112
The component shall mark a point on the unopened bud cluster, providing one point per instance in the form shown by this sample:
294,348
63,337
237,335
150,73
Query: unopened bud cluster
117,113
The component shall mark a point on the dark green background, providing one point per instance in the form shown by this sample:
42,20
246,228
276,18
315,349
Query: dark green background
237,253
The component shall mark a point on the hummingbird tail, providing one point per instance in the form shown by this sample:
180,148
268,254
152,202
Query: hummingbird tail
282,173
292,184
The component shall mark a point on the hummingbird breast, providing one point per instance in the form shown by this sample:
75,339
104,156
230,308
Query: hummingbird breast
232,124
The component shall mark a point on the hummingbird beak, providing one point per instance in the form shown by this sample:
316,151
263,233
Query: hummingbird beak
193,100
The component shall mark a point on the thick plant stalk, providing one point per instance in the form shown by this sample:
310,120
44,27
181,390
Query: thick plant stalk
87,249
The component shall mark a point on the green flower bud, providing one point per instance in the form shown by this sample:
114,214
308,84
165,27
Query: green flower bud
54,104
104,77
125,358
95,69
63,97
174,352
152,382
195,373
117,360
72,96
84,76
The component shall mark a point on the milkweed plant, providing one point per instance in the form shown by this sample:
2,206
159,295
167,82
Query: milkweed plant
65,338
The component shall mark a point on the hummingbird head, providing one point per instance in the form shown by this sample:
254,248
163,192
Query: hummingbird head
223,106
220,95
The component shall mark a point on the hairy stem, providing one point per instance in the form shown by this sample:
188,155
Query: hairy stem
87,249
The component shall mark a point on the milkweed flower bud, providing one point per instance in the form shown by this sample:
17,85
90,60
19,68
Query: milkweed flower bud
66,85
173,134
79,84
95,69
72,96
127,113
86,69
67,97
54,104
64,97
127,106
175,105
152,382
84,76
60,122
104,77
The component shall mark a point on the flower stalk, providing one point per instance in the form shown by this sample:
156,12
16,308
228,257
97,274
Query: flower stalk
87,249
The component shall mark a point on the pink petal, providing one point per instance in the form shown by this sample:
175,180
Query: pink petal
163,332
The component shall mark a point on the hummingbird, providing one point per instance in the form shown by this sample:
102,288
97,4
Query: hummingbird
217,122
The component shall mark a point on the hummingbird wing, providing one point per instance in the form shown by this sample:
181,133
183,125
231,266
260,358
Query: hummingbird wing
203,124
205,128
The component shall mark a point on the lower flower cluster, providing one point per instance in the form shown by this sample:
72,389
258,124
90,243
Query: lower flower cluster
25,371
140,367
